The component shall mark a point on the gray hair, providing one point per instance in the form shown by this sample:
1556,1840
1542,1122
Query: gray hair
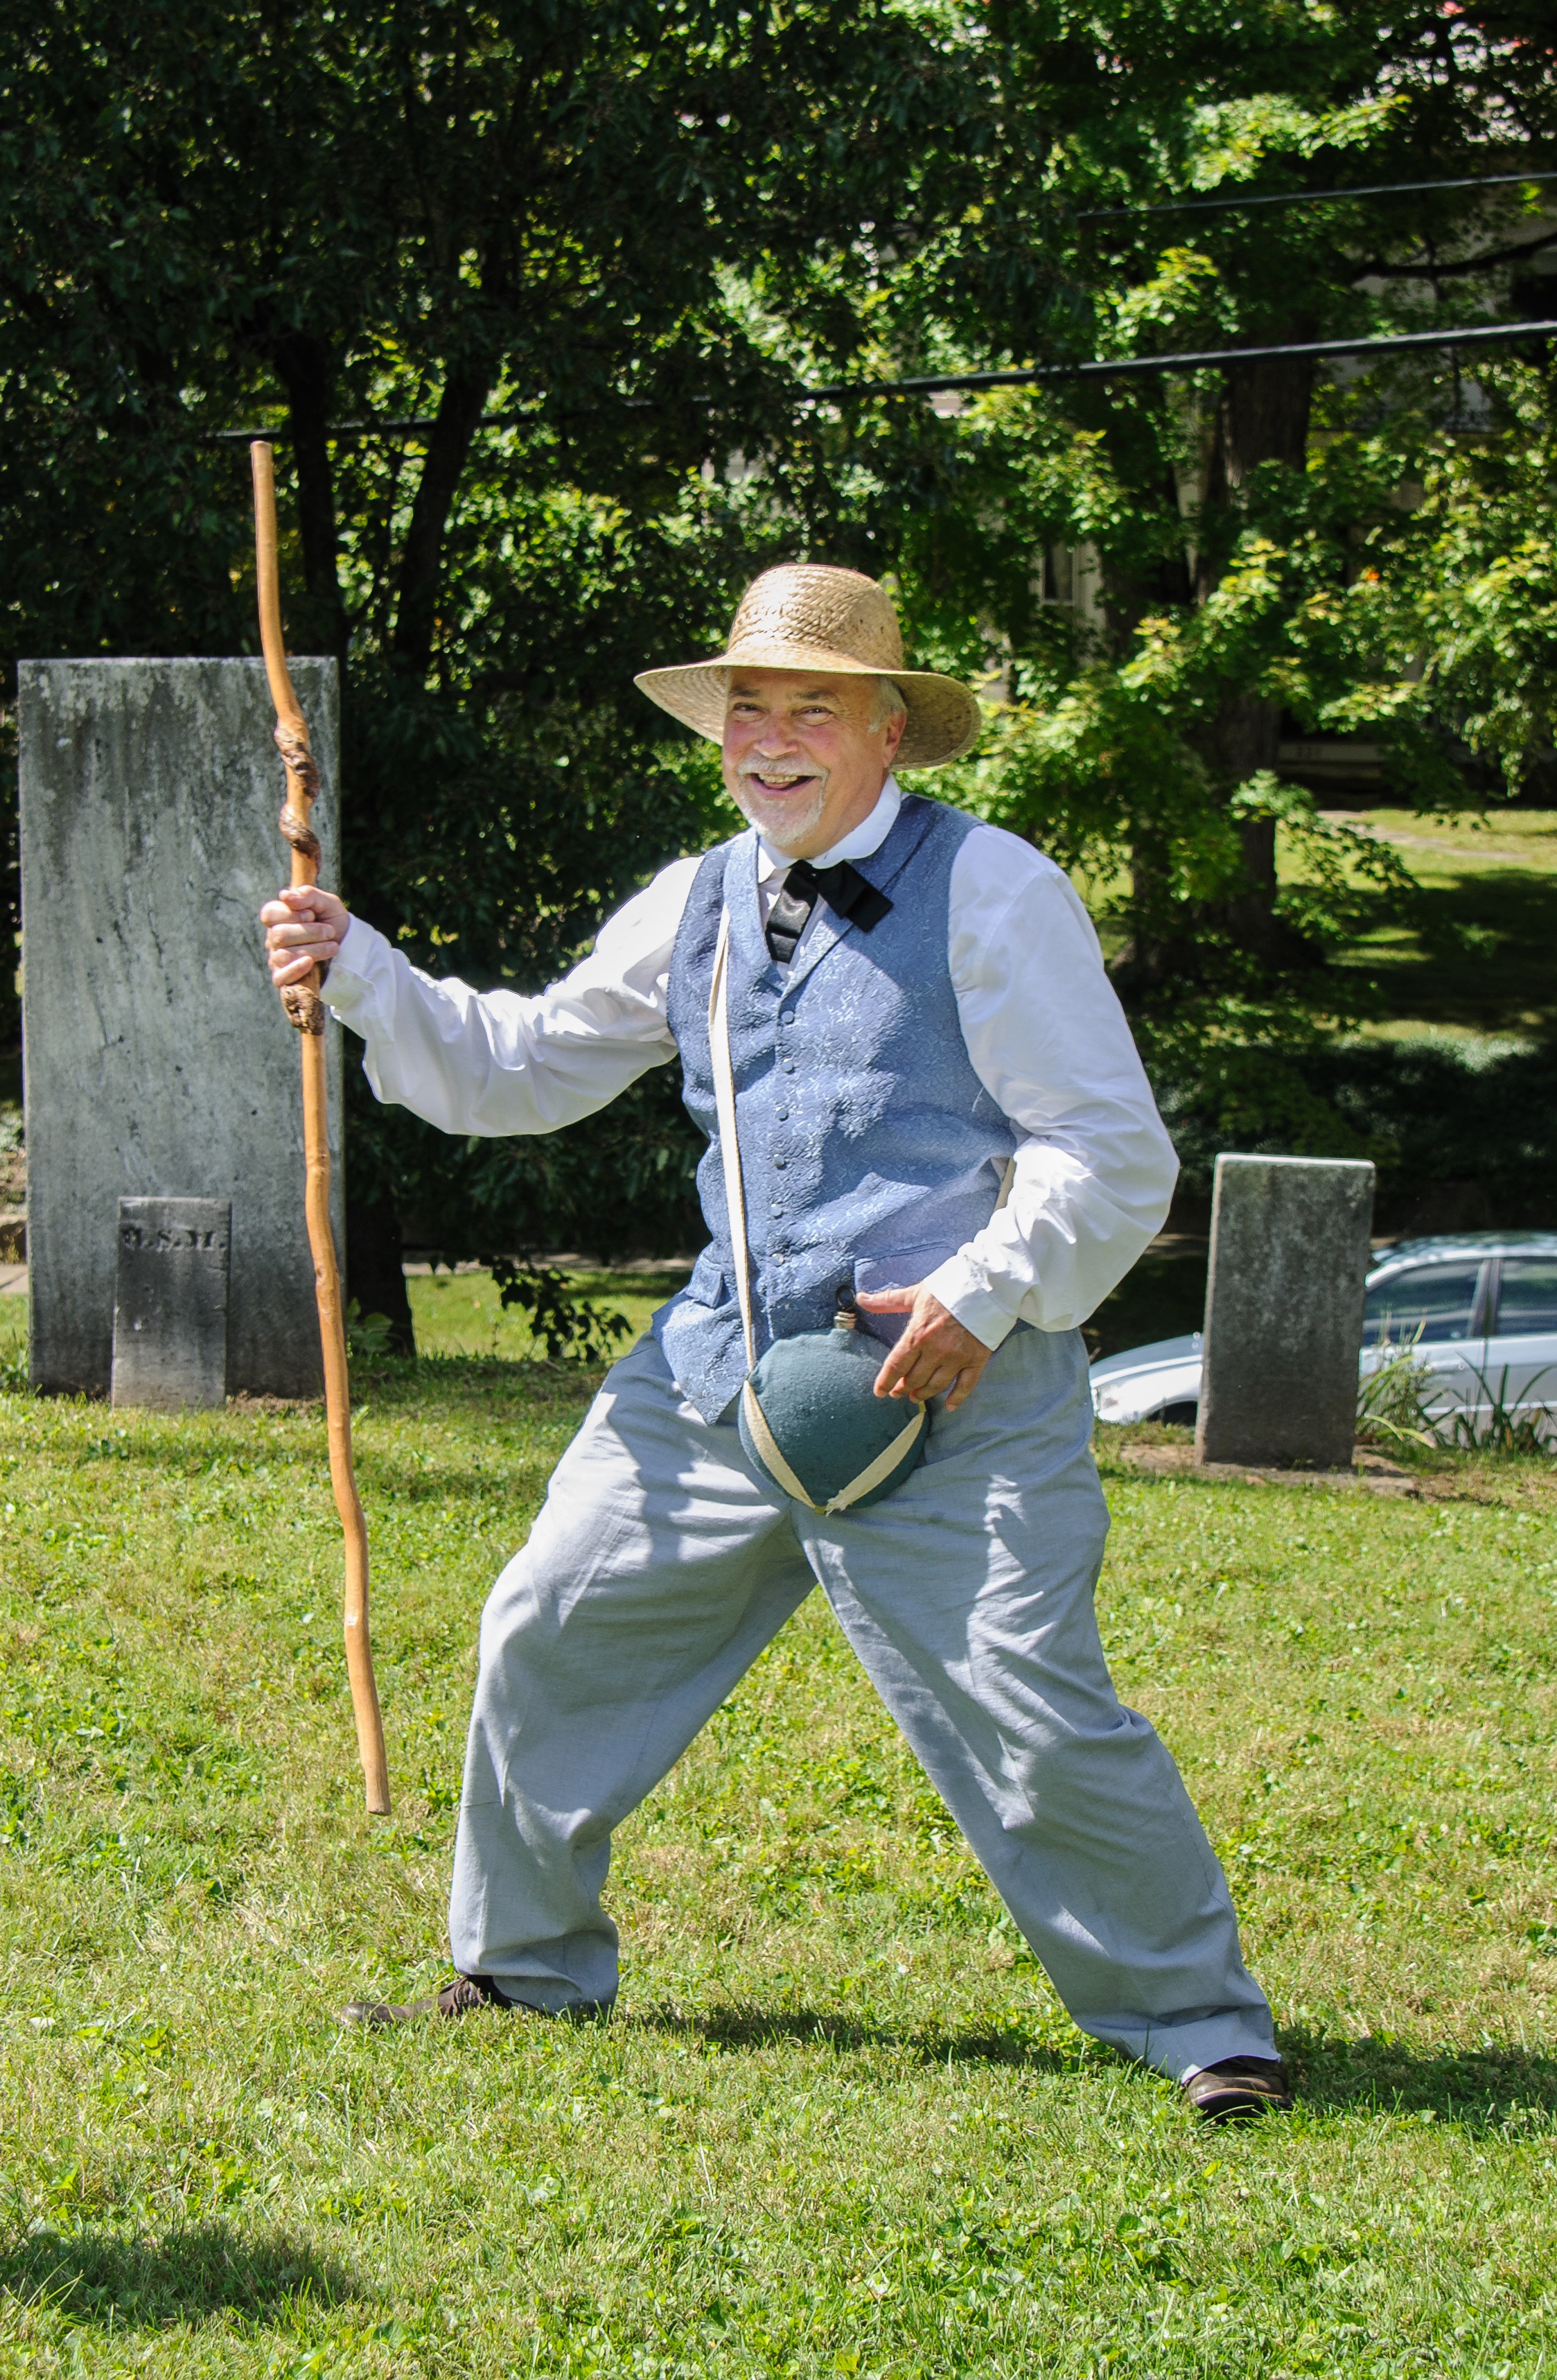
889,703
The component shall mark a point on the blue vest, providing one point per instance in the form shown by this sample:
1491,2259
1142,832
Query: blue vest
870,1149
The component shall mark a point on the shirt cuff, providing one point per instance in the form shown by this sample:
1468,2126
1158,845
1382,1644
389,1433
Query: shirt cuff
349,987
960,1286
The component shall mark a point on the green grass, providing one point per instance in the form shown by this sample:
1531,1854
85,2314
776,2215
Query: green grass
460,1313
1477,962
839,2124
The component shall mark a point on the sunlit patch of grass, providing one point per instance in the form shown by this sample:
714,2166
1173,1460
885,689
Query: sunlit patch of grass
839,2123
460,1313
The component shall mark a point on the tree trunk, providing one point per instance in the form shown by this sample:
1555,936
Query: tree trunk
374,1274
302,364
459,415
1263,417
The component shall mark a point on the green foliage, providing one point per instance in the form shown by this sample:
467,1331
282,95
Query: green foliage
1394,1401
585,257
574,1328
1402,1402
367,1335
1506,1426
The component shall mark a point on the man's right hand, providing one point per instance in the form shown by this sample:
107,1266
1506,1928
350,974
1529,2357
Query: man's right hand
305,927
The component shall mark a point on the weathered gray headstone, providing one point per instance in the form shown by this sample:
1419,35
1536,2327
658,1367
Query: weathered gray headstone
170,1304
1290,1239
157,1062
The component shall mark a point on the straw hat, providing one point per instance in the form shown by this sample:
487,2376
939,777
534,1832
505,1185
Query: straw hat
806,616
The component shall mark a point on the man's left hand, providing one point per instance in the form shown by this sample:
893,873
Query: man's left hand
935,1354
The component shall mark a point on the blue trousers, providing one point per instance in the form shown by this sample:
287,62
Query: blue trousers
659,1569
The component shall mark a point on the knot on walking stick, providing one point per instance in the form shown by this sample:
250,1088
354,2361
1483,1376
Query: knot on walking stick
298,832
300,761
304,1007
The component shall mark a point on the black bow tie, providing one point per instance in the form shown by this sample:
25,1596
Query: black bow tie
842,887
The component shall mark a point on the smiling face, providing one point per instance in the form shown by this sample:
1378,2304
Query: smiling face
805,757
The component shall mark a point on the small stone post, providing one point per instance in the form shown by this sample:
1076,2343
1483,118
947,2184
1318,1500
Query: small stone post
170,1309
1290,1244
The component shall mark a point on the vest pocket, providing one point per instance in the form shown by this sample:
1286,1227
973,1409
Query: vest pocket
706,1283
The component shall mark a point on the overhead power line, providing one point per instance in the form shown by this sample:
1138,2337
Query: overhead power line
1310,198
1115,367
378,425
1026,376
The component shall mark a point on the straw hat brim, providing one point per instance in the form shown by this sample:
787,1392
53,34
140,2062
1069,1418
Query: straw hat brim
944,718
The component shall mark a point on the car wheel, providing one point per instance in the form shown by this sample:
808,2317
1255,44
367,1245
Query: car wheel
1184,1414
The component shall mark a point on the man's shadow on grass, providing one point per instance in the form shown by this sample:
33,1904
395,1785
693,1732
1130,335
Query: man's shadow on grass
132,2281
743,2026
1495,2089
1499,2089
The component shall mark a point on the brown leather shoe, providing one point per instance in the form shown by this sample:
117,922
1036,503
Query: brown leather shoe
458,1999
1238,2087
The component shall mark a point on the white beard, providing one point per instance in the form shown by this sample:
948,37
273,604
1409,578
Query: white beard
781,822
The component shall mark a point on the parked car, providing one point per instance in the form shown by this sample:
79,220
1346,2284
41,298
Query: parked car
1477,1305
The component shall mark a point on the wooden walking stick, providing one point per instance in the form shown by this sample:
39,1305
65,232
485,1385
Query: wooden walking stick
305,1009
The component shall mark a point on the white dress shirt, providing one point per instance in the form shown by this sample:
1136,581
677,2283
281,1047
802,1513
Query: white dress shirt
1043,1030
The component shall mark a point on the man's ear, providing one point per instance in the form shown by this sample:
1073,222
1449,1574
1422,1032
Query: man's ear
894,734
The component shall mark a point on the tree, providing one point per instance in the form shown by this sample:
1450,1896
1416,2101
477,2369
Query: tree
571,269
499,239
1272,538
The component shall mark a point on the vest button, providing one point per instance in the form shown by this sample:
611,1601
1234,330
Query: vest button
789,1066
776,1205
783,1114
787,1017
780,1162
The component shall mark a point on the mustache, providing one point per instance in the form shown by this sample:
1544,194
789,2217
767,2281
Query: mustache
780,772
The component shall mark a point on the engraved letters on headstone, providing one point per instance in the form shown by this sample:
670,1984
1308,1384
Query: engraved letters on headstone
170,1312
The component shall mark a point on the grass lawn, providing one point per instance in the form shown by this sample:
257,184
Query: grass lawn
1476,962
838,2124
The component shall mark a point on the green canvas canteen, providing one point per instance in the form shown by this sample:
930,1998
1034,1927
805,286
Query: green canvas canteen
812,1423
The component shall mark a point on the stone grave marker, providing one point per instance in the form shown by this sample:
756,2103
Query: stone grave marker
1290,1245
170,1305
157,1062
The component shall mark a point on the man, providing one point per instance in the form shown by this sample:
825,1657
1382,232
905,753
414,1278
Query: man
938,1102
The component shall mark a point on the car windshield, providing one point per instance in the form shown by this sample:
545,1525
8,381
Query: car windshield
1528,1296
1429,1302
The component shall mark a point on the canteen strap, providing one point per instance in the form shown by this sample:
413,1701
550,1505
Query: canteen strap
729,1147
882,1467
770,1451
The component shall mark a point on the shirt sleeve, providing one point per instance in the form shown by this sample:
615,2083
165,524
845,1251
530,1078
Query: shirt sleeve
1047,1039
494,1062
